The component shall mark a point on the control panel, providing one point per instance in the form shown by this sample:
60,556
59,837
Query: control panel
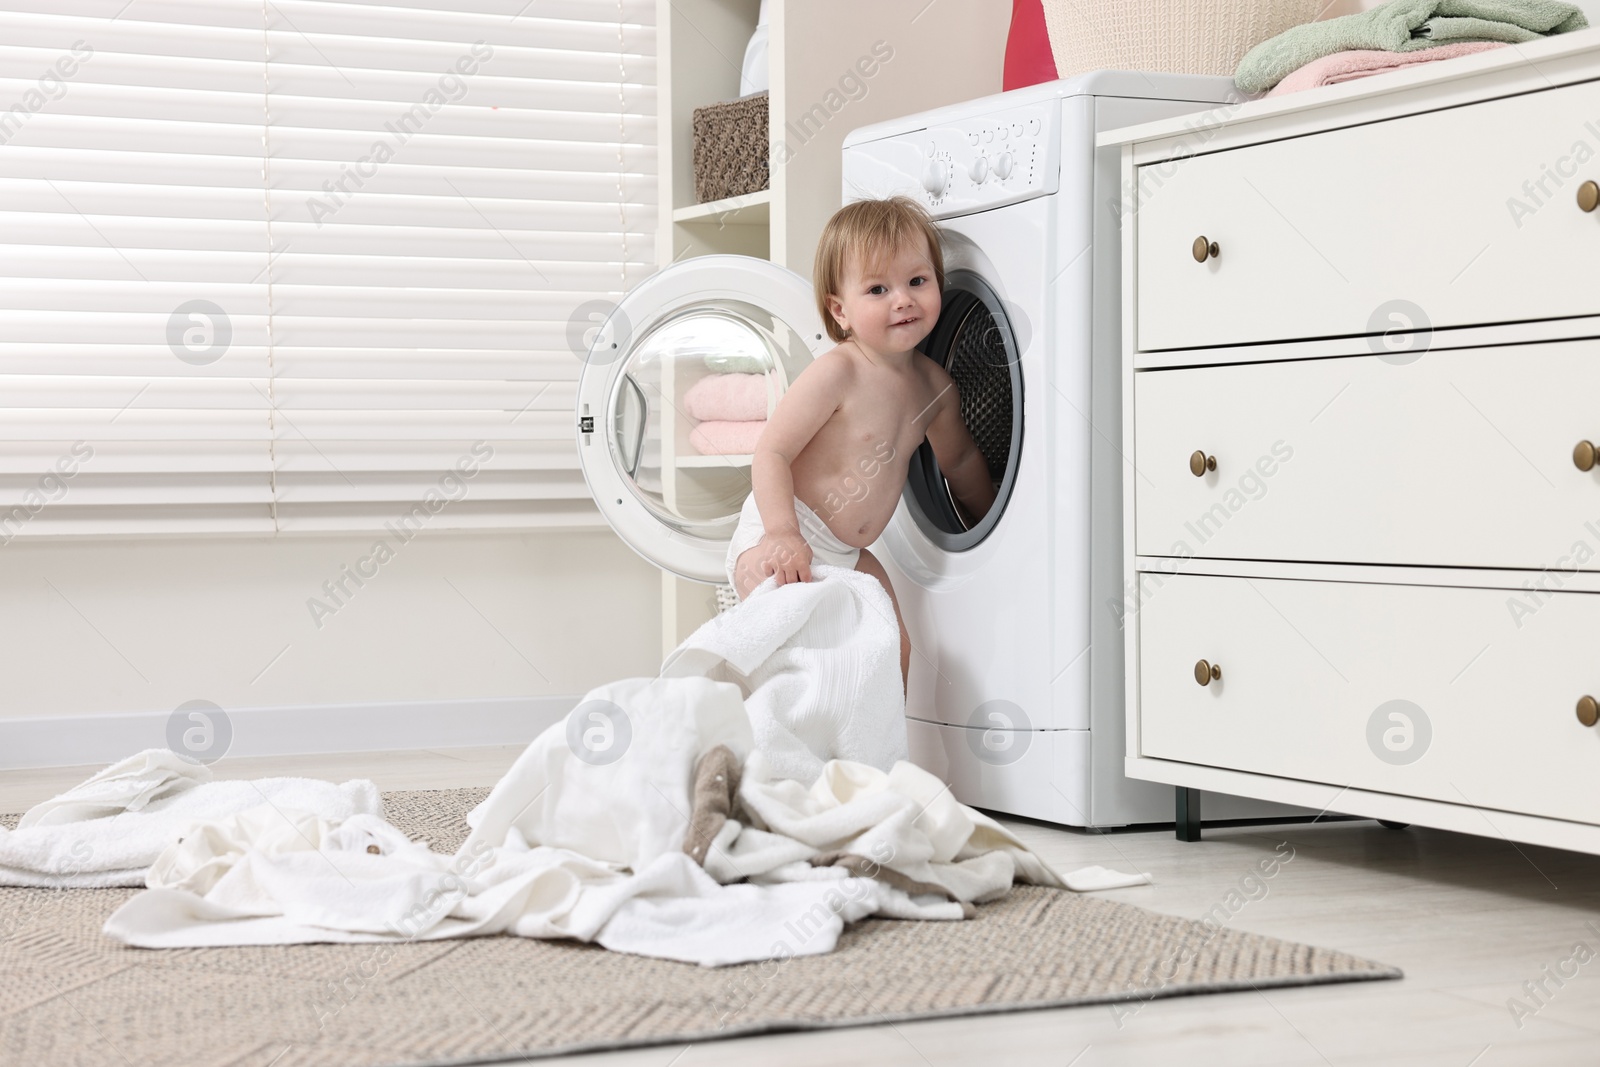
963,165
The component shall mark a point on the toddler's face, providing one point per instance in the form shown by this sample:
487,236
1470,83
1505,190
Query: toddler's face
894,308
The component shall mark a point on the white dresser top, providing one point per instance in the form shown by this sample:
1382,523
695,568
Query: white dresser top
1542,64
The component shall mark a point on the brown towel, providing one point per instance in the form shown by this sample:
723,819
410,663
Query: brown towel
716,783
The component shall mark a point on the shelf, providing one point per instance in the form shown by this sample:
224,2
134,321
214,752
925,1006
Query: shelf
747,209
715,461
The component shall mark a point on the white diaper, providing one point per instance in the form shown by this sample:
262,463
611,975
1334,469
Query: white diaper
825,547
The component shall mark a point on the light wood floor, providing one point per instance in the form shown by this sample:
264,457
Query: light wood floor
1469,920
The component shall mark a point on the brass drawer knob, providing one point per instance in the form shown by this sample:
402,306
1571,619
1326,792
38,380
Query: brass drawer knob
1204,672
1199,463
1588,711
1584,456
1588,196
1204,249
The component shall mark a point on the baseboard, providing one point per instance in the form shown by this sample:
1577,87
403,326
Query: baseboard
72,740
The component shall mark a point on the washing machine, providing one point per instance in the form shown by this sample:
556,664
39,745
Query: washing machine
1015,692
1016,686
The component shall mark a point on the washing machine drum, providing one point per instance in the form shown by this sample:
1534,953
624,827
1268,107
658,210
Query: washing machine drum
973,341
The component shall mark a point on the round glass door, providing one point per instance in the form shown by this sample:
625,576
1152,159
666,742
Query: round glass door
689,404
668,425
974,343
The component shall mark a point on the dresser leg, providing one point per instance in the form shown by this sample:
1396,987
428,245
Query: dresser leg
1188,813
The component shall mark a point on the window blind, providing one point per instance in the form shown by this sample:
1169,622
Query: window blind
277,266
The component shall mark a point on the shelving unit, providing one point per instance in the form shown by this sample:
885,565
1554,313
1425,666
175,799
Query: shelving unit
752,209
835,65
715,461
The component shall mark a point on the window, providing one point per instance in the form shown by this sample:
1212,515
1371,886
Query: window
308,266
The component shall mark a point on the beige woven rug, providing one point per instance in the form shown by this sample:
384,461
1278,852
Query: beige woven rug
70,996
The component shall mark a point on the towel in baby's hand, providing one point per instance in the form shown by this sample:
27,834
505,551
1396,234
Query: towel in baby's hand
819,664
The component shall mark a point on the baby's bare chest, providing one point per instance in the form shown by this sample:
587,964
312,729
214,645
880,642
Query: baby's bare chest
881,426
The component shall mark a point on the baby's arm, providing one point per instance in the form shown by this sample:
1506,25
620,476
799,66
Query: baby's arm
962,465
801,411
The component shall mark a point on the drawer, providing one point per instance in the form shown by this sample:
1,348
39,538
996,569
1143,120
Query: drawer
1469,214
1461,458
1415,690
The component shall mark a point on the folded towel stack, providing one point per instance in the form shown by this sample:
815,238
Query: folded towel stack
731,412
723,437
1336,50
1363,63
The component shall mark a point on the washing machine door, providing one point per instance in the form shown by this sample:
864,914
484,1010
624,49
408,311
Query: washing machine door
671,378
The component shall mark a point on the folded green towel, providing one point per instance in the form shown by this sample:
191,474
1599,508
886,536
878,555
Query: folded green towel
1404,26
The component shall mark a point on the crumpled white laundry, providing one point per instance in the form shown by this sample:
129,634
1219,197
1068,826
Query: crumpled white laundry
606,864
109,829
800,684
818,664
568,848
905,819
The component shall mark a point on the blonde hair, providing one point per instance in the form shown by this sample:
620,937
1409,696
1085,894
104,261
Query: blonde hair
873,230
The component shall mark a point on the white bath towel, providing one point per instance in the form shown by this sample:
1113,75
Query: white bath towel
1094,879
818,664
562,847
107,830
585,840
127,785
566,847
904,819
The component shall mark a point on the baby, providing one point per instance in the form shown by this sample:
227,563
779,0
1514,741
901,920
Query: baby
831,463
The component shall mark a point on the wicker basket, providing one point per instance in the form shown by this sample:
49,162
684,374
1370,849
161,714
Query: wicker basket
1178,36
730,148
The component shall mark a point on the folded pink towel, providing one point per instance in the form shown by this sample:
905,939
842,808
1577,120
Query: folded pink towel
1363,63
737,397
723,438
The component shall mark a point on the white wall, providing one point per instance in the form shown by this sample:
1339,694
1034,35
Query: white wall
143,626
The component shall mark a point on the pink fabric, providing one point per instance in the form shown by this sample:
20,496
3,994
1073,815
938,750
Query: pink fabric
1363,63
1029,59
722,438
737,397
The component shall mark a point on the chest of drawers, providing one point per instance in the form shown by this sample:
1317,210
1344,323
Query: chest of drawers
1360,413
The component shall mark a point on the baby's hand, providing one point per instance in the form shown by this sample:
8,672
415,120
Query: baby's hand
785,554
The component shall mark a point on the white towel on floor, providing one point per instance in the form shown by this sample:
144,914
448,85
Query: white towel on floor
801,683
125,786
562,847
109,829
904,820
568,848
1094,879
818,663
